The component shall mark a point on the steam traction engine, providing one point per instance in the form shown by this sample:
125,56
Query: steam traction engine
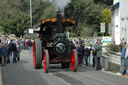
53,47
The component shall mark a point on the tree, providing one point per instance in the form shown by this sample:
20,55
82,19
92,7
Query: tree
49,12
84,12
13,14
16,25
38,10
106,17
1,31
107,2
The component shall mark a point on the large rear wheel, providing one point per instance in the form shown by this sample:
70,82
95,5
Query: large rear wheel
37,54
74,60
46,61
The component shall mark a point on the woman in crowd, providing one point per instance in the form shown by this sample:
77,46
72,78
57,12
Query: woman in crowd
18,50
126,57
4,52
94,57
0,50
87,50
123,52
14,51
80,50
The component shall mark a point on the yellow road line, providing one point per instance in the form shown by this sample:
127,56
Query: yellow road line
0,77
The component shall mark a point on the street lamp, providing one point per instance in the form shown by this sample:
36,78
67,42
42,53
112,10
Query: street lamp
31,14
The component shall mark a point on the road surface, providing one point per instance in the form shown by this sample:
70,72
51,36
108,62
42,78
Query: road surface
23,73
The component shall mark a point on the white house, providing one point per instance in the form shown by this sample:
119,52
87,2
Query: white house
120,20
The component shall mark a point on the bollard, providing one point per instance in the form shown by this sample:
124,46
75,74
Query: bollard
104,62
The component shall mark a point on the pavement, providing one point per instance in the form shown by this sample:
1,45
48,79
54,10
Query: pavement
23,73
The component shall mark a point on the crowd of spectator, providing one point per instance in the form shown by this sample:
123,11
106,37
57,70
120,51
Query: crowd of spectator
11,47
85,50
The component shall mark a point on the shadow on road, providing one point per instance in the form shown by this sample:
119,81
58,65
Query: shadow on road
57,68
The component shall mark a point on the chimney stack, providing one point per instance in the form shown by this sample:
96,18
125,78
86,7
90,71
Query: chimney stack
59,22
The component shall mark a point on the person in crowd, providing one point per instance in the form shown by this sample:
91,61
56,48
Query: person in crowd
4,52
74,42
123,51
18,50
29,43
14,50
0,50
94,56
9,51
26,45
83,42
87,50
8,40
22,45
72,45
126,57
122,42
98,48
80,50
80,41
32,40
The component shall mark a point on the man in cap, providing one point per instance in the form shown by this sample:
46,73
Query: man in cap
98,48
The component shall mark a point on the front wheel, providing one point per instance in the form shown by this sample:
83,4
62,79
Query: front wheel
74,60
46,61
37,54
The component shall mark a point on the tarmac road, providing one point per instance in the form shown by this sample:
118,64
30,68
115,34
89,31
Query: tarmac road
23,73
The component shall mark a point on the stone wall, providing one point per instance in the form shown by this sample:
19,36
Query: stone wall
113,61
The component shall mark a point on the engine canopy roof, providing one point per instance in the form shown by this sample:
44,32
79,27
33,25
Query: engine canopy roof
53,21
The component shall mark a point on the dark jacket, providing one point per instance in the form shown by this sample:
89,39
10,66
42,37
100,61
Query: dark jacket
13,47
80,50
87,51
29,43
98,49
72,46
3,51
10,47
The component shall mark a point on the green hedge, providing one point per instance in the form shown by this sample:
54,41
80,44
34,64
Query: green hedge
115,48
29,36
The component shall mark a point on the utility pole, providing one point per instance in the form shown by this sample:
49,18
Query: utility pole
31,14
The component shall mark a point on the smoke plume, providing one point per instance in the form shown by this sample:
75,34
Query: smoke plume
60,4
